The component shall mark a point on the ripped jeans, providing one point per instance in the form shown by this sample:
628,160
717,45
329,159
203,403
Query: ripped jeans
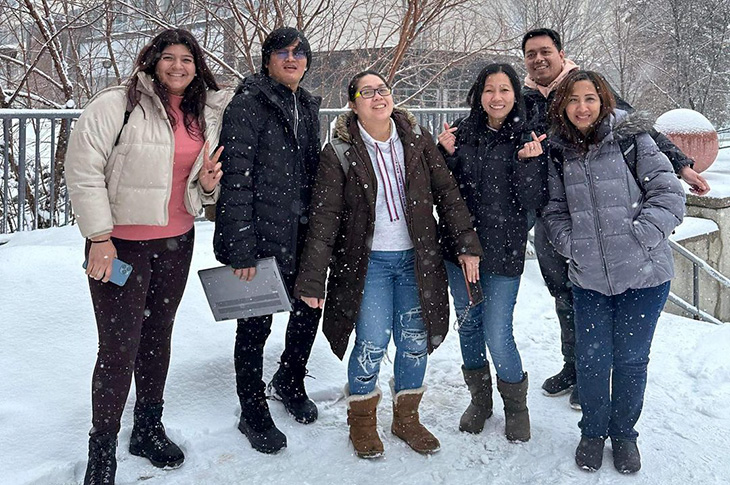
390,304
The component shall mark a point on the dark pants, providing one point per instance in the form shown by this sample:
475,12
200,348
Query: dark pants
554,269
612,350
251,335
135,325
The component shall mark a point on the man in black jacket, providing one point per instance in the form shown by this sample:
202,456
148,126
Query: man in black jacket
271,139
546,67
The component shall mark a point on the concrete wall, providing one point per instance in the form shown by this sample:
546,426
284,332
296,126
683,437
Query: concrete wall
713,248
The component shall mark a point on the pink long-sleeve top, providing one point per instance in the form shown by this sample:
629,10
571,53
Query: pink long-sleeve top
180,220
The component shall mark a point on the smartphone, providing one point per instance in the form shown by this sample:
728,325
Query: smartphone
474,292
120,271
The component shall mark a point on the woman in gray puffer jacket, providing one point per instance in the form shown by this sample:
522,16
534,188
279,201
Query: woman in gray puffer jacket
612,224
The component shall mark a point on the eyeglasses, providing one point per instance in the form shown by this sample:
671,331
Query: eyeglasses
283,54
368,93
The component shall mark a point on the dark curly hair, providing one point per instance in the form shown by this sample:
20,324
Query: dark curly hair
194,97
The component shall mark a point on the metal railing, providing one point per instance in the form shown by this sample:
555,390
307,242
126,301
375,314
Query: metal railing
33,191
33,188
697,265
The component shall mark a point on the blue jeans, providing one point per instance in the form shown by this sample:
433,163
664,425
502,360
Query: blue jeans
613,338
390,304
489,324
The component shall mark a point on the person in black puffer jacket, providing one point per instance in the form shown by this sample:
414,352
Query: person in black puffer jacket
271,139
502,174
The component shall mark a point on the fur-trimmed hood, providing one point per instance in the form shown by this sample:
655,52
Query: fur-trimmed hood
343,122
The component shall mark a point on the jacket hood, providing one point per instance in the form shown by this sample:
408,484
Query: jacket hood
631,123
343,122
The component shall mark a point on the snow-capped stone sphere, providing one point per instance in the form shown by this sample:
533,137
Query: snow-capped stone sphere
692,133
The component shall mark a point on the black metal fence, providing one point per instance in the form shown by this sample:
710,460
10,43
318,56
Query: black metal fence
33,146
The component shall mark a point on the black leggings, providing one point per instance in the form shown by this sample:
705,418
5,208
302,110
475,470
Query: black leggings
135,325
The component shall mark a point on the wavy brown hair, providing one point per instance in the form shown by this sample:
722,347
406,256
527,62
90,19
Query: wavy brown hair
194,97
560,124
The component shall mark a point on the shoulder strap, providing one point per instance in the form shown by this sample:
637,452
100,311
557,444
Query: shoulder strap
628,150
127,111
340,148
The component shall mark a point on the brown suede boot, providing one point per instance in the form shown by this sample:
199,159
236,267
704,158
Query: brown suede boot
516,414
361,416
406,423
479,382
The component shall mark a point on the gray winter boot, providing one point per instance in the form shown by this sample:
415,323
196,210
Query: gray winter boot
516,414
479,382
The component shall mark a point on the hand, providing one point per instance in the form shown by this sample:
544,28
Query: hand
99,262
532,148
697,183
245,274
313,302
470,265
447,139
211,173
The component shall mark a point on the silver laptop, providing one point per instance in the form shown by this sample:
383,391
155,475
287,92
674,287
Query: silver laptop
230,298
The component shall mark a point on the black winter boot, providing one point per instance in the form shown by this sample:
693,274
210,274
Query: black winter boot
626,457
287,386
516,414
256,424
589,454
102,466
574,399
560,383
479,382
149,439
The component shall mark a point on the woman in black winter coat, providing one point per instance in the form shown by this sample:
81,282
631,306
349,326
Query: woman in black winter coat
501,171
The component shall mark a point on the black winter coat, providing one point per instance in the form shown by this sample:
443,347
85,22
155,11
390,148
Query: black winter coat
537,117
499,190
269,164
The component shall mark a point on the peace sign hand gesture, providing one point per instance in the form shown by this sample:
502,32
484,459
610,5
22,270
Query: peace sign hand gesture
532,148
211,172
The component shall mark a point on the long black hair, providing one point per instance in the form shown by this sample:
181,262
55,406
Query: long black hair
474,99
194,97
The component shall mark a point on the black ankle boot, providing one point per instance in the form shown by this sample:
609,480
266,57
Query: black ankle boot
288,387
626,457
561,382
102,466
589,454
149,439
256,424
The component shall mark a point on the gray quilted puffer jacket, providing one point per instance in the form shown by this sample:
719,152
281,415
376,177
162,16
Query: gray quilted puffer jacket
614,235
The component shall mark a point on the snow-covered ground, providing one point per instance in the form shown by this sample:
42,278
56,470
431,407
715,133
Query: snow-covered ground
48,346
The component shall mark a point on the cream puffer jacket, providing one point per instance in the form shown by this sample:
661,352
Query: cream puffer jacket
130,183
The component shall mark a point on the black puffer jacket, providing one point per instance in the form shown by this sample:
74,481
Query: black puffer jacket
537,107
268,173
499,190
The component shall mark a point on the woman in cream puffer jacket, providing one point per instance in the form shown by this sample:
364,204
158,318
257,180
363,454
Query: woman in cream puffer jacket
138,171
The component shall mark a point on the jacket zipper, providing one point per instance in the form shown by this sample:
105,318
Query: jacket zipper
597,222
